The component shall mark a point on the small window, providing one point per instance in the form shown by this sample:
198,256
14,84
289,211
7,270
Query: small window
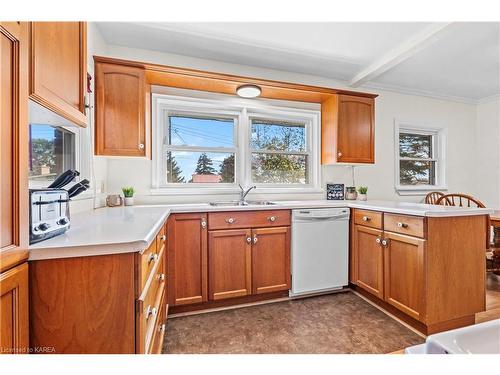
200,149
52,151
420,159
279,152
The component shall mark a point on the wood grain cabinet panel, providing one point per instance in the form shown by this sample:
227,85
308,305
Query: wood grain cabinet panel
348,129
229,263
120,110
187,272
369,259
270,259
404,274
14,337
58,70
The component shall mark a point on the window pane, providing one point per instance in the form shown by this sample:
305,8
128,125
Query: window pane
413,172
278,136
279,169
199,167
200,132
52,151
415,145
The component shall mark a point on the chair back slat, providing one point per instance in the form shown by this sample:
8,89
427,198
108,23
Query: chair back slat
451,200
432,197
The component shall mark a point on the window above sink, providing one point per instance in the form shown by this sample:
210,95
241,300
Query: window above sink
212,145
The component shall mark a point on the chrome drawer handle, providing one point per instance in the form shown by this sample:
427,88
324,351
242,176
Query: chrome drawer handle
366,218
272,219
231,220
153,258
402,225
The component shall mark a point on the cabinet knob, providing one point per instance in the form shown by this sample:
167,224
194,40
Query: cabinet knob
378,240
366,218
153,258
402,225
141,146
255,239
161,328
385,242
272,219
249,240
161,277
339,154
163,238
203,224
231,220
150,311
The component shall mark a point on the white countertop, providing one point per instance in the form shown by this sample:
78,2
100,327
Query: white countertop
132,229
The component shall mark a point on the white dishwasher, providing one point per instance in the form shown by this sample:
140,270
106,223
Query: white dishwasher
320,250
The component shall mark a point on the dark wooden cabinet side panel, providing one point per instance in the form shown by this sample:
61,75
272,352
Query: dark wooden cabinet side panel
83,305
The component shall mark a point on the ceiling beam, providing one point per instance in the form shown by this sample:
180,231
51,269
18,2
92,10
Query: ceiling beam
401,52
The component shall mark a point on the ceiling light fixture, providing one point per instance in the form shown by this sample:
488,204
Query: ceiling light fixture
248,91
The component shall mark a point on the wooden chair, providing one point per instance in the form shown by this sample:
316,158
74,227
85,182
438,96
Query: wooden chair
432,197
461,200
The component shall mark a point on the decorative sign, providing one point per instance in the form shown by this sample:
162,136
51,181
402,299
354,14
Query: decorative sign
335,192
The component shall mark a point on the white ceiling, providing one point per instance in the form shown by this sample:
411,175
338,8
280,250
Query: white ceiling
459,61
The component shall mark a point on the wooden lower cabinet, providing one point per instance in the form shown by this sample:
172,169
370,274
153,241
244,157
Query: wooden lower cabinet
404,273
229,263
369,273
270,259
14,337
187,258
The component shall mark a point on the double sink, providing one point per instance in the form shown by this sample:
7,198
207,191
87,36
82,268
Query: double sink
242,203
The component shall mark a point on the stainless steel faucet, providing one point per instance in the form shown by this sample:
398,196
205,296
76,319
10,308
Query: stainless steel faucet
244,193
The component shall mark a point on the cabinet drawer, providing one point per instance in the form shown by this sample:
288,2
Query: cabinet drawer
372,219
146,263
248,219
159,331
404,224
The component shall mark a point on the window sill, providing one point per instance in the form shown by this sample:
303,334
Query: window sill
195,190
418,190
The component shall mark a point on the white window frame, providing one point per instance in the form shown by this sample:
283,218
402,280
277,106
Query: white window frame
439,139
242,111
79,157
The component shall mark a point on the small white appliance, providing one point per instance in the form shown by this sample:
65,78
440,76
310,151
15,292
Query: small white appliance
320,250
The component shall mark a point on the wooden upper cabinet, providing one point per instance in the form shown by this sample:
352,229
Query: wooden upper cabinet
120,107
404,273
229,263
270,259
369,258
58,68
348,130
14,337
187,263
14,145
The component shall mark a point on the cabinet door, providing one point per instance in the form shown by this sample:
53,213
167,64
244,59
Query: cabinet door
229,263
58,71
356,130
270,259
404,268
14,145
120,110
14,310
187,243
369,273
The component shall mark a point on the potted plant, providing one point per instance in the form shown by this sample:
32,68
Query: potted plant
362,190
128,193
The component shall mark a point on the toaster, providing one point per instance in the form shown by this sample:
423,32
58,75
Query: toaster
49,213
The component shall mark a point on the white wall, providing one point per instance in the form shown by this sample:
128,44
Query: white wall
487,152
458,118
